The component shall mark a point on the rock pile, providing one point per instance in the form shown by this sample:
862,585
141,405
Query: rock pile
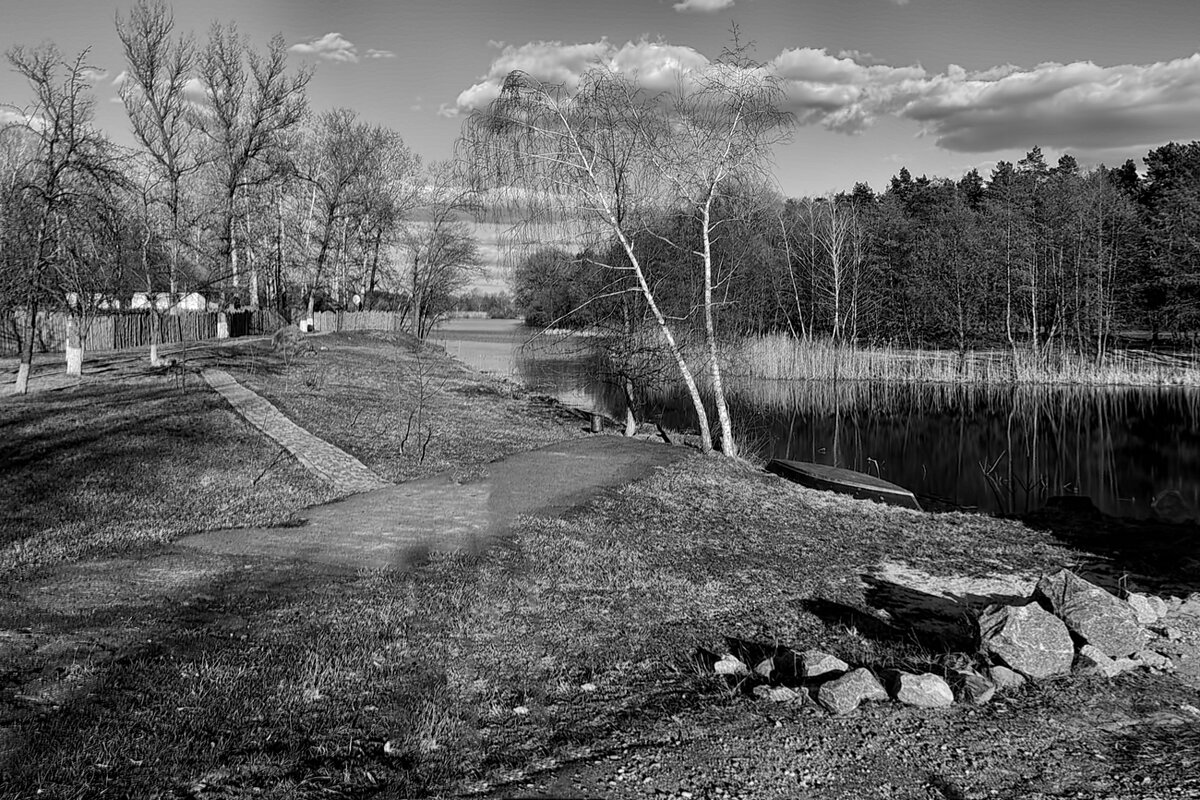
1067,626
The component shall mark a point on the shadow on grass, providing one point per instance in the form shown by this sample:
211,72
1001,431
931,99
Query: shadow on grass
249,686
1162,557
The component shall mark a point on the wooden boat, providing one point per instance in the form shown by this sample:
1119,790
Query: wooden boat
846,481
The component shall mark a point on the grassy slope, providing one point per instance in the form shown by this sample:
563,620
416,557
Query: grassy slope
105,467
373,396
574,640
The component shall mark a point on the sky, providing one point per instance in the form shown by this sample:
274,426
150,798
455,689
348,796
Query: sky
937,86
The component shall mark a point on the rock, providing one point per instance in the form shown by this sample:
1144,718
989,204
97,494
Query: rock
973,689
924,691
1148,608
765,667
777,694
728,665
1190,606
1169,633
1126,664
1091,660
1004,679
1151,659
816,664
1092,614
843,695
1028,639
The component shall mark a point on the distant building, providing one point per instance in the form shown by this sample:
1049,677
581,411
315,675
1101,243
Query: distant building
99,302
192,301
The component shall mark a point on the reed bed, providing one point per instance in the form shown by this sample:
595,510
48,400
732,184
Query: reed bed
780,357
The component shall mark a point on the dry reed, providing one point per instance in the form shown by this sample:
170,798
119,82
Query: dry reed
780,357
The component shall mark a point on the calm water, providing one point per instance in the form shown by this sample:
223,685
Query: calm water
1135,452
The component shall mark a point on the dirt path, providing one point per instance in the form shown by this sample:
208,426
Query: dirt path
399,525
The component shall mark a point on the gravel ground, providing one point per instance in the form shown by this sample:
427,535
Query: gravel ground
1136,736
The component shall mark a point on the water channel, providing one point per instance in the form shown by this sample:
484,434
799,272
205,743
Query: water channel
1134,451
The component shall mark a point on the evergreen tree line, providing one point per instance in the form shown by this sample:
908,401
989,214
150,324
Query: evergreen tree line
1034,256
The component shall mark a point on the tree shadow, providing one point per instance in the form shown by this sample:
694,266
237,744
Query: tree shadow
1144,554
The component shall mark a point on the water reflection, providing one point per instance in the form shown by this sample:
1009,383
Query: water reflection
1134,451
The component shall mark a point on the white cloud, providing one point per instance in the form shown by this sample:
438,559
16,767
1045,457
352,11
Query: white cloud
373,53
702,6
330,47
656,65
1077,106
122,76
194,88
1080,106
13,116
93,75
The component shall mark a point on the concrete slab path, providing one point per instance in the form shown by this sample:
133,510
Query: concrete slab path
398,526
336,467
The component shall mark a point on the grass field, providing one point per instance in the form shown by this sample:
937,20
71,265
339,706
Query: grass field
572,642
103,468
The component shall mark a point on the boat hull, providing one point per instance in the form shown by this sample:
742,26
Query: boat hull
835,479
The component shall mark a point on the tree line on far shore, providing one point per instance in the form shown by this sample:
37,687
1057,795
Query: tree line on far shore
1033,256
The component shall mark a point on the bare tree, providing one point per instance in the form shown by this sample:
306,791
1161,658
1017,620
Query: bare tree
443,249
715,148
67,159
154,91
342,153
604,162
252,105
390,192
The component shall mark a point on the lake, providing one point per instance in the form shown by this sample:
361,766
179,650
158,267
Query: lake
1134,451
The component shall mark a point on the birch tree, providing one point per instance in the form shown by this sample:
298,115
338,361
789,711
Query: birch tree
606,161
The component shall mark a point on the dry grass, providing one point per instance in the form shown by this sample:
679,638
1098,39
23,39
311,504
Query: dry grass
779,357
405,412
470,671
107,467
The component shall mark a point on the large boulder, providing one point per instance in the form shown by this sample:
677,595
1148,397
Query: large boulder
1028,639
925,690
843,695
1092,614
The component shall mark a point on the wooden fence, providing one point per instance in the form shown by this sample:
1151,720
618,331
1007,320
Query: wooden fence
336,321
131,330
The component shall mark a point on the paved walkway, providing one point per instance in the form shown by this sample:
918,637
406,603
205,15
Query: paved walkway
400,525
341,470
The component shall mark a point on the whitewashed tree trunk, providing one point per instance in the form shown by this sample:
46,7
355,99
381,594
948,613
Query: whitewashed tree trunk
74,348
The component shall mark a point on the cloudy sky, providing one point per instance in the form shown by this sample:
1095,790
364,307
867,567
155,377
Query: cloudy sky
938,86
